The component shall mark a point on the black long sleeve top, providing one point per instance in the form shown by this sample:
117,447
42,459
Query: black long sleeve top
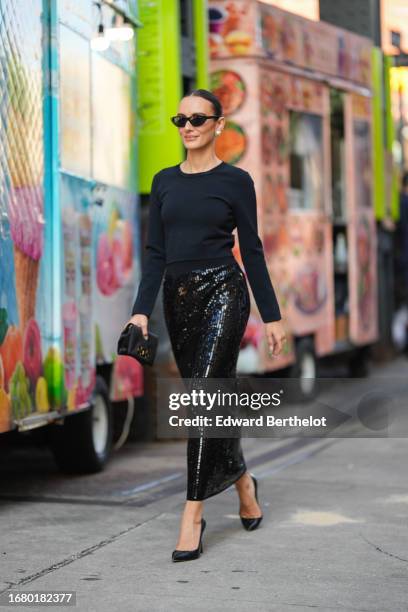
191,217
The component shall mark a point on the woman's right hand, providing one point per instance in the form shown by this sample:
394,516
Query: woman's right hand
140,320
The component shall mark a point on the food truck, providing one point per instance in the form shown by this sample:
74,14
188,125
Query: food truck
69,223
298,101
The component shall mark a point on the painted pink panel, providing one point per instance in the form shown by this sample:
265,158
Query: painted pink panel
362,238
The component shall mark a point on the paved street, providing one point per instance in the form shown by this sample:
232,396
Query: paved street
334,534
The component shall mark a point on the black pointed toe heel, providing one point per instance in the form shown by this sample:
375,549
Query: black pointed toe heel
252,523
188,555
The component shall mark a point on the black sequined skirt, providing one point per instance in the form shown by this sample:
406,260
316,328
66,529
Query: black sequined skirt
206,308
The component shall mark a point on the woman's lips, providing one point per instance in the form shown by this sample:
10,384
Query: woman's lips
190,137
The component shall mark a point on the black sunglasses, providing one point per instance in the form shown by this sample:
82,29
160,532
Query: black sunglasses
195,120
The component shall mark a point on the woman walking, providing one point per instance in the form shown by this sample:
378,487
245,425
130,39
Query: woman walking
194,207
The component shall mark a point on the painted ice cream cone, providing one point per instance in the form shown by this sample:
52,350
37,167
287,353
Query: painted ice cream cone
24,150
26,227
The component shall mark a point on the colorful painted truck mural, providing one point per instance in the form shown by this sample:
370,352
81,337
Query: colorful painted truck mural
69,234
297,96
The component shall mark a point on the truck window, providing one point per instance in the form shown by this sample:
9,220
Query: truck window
306,161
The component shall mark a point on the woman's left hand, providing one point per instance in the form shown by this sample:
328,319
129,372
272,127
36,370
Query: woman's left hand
276,336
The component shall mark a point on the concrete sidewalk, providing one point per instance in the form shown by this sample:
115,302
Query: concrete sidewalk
334,537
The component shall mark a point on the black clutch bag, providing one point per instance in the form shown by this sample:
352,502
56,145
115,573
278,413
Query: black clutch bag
133,343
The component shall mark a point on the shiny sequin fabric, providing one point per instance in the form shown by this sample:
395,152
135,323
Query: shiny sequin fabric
206,310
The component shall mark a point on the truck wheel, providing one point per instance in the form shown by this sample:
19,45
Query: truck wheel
359,363
304,370
84,442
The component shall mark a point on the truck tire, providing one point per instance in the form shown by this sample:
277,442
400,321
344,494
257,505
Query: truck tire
83,443
304,370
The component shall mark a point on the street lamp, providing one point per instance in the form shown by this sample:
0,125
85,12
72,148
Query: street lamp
100,42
